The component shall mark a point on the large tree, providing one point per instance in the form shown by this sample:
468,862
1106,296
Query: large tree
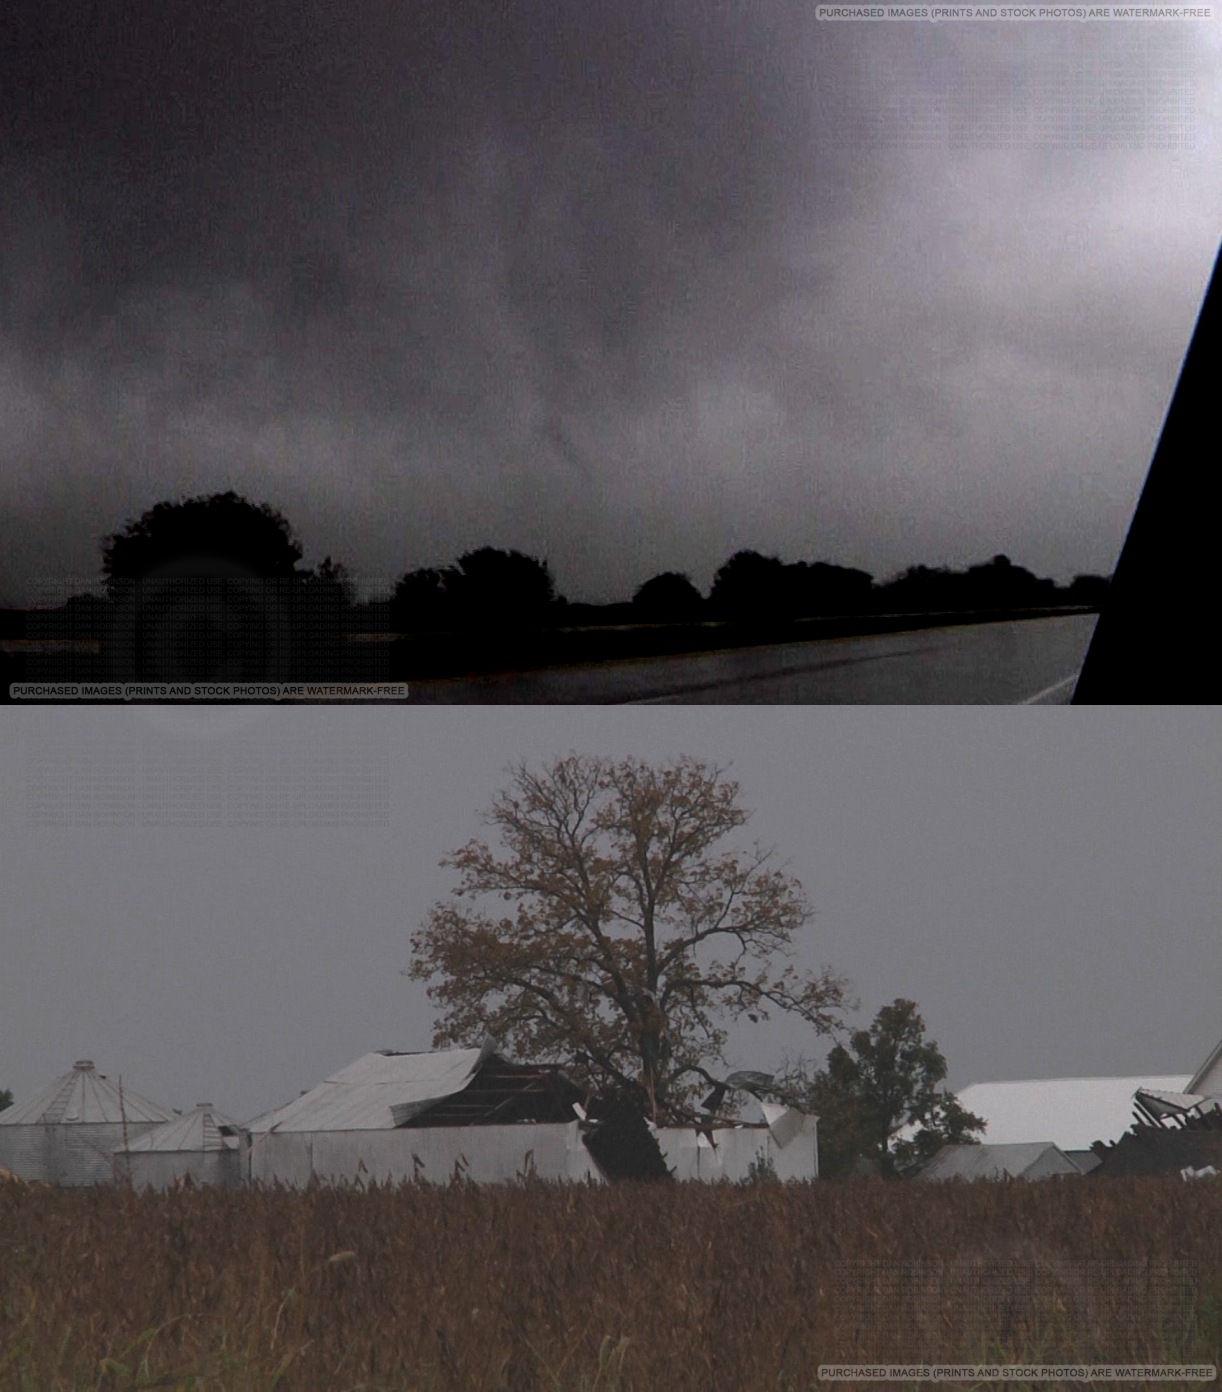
190,536
208,589
6,1099
670,595
885,1081
634,935
750,586
501,588
487,588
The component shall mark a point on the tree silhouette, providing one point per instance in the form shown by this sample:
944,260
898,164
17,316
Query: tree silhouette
503,589
6,1099
922,589
631,934
205,589
753,586
1088,589
423,600
1002,584
191,535
749,585
995,584
486,588
820,588
669,596
324,604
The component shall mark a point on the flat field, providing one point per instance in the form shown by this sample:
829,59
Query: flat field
624,1287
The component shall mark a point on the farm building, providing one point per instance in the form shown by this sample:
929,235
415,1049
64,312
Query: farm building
1083,1117
1173,1130
1072,1113
1192,1141
1033,1160
1206,1082
204,1145
67,1133
395,1116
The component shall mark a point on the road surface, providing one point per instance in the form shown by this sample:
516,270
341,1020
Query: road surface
1033,661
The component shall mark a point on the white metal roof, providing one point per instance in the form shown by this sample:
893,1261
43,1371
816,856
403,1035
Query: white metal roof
360,1097
1073,1113
1038,1158
84,1096
1208,1078
199,1130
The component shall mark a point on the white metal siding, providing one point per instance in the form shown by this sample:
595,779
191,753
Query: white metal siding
496,1154
68,1153
163,1169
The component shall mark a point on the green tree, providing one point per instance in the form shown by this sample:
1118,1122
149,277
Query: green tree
885,1080
634,934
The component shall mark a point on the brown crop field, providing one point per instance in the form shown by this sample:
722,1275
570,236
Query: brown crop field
641,1287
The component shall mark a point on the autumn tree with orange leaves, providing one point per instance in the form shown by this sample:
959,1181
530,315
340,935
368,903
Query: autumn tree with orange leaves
633,935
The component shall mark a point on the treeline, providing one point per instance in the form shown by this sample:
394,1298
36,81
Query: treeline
213,588
496,588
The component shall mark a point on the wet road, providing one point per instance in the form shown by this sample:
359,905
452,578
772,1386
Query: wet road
1031,661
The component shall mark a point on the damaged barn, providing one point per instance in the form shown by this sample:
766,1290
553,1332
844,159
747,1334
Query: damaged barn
1173,1132
473,1113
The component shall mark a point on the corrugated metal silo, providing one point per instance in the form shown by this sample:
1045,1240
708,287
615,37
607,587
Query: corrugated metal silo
204,1144
68,1132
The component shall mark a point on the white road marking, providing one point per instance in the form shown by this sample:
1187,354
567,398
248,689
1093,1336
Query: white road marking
1041,698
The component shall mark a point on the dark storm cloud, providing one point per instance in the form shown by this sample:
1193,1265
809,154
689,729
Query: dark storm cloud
427,276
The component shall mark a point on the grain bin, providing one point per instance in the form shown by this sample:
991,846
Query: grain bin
204,1145
67,1133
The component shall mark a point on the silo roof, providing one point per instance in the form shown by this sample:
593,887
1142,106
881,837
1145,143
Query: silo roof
361,1096
83,1096
203,1128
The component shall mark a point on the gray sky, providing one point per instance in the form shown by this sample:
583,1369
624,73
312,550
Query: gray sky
216,903
629,287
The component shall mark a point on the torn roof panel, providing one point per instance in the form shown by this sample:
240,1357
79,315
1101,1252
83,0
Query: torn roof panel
499,1092
1208,1078
1171,1104
360,1097
783,1122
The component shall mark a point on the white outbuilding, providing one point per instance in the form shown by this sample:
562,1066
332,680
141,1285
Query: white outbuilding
1029,1160
1072,1113
68,1132
203,1145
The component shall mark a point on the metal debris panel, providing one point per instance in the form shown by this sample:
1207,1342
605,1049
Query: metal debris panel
360,1096
1207,1080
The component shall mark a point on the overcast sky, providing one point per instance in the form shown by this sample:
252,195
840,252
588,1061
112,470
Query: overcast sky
216,904
626,286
